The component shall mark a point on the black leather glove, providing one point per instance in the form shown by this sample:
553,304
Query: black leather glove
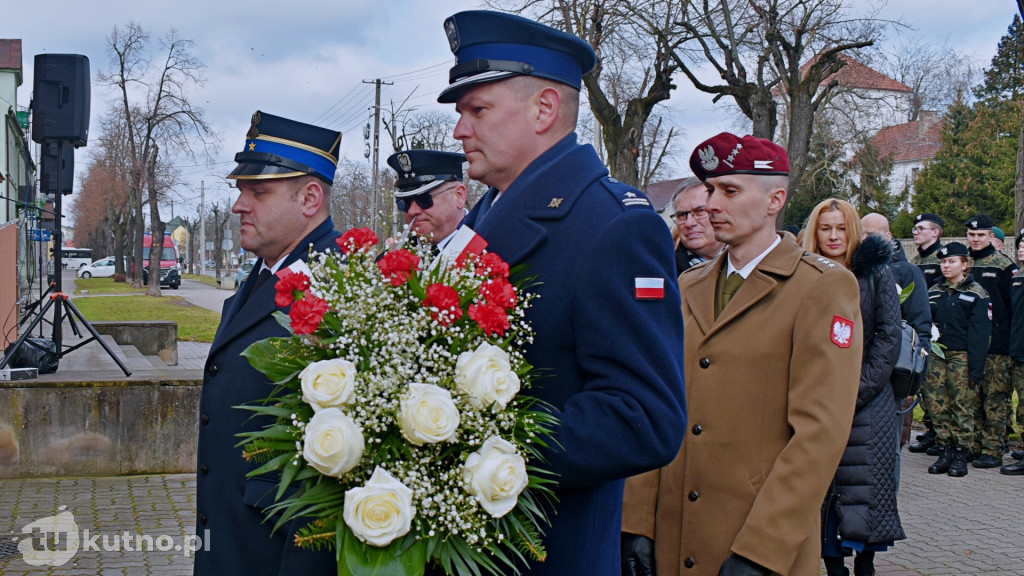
637,555
736,565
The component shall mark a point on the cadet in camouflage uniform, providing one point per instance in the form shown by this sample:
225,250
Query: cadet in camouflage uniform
927,237
1017,353
994,271
960,312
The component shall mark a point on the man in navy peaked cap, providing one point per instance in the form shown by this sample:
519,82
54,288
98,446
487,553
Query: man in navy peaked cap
608,325
284,176
430,193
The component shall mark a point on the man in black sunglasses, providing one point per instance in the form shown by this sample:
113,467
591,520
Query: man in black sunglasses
430,192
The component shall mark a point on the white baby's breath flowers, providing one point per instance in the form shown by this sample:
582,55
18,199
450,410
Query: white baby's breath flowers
486,376
328,383
333,444
427,415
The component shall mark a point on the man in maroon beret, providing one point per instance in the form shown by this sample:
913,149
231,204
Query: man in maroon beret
772,355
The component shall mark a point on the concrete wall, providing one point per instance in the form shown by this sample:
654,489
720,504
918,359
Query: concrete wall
98,428
151,337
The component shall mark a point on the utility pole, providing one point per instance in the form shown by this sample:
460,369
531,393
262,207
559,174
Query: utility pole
202,226
376,149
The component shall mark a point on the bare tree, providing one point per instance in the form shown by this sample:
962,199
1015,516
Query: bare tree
432,130
157,113
935,73
634,68
765,50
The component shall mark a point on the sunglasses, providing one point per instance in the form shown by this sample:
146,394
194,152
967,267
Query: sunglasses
424,201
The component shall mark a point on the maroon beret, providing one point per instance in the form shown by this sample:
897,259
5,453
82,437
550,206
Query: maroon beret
729,154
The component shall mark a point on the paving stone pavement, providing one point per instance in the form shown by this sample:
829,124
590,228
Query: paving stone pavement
955,526
971,526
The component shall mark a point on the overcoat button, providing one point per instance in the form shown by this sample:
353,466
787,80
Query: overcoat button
212,370
204,469
697,429
202,518
205,418
705,362
689,562
693,495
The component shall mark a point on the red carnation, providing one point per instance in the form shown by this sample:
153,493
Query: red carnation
399,266
443,299
493,265
492,318
307,313
287,283
499,292
357,239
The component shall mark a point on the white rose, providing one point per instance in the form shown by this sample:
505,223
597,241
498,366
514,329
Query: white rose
495,475
935,333
427,415
486,376
328,383
381,510
334,443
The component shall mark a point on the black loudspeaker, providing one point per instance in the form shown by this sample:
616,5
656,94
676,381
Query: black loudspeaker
58,169
60,99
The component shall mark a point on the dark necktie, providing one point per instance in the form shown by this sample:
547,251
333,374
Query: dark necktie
732,285
263,276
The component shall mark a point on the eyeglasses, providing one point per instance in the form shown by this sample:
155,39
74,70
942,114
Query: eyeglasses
698,213
919,229
424,201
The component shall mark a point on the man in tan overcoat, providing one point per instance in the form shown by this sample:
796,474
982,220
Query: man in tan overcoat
772,371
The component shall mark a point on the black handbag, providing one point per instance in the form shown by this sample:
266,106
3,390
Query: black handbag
908,373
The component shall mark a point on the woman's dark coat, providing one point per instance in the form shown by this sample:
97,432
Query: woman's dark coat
866,482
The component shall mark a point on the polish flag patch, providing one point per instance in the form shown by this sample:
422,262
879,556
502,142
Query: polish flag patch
649,288
465,242
842,332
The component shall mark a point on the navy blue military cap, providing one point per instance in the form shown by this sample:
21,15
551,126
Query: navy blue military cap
420,171
953,249
277,147
930,218
491,46
980,222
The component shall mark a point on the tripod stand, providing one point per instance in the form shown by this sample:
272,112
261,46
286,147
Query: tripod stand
58,300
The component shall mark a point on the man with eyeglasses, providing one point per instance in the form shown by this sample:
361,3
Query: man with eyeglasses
927,234
430,192
694,236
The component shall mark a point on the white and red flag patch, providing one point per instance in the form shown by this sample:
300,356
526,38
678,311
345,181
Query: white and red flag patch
649,288
842,331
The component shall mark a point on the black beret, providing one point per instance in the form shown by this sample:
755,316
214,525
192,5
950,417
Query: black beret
980,222
930,218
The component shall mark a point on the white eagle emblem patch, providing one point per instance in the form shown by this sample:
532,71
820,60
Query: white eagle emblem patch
708,160
842,331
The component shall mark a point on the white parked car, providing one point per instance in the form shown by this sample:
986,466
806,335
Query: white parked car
101,268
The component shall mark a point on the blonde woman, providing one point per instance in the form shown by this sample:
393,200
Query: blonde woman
860,513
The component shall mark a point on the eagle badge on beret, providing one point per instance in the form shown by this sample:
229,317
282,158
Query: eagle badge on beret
708,160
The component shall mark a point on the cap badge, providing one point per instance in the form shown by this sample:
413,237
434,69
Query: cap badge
252,145
404,162
708,160
974,223
254,128
555,202
453,34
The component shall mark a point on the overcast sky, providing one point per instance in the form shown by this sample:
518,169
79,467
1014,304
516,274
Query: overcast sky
308,60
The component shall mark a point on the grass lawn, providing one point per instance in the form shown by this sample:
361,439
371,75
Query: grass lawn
195,324
105,286
208,280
